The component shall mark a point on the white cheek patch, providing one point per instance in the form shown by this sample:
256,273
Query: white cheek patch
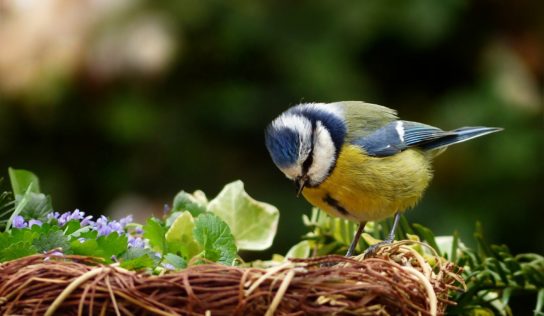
323,155
292,172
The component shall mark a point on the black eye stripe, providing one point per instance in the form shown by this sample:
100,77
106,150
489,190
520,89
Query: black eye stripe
310,159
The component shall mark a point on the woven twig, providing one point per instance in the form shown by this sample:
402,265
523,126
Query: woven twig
395,281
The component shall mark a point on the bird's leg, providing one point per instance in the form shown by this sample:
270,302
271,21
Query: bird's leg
388,240
356,238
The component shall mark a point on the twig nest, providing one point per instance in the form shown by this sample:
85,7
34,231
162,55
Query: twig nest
397,280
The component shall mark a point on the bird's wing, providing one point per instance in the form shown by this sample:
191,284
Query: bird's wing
396,136
362,119
399,135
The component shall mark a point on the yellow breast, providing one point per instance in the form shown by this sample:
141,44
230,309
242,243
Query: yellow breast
364,188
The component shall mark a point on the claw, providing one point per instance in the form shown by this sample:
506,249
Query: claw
371,250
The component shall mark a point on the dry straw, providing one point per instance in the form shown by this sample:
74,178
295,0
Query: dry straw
396,281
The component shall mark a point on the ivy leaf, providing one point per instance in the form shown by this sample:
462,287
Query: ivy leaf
180,237
155,232
172,218
214,235
252,223
300,250
194,203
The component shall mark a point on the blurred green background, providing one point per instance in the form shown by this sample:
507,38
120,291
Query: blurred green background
117,105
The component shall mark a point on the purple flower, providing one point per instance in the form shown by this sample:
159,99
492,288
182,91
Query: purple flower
115,226
168,266
55,253
63,218
139,230
86,221
33,222
76,214
101,226
105,227
53,215
135,242
19,222
125,220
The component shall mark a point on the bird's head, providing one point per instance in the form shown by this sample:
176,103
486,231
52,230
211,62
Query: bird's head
304,142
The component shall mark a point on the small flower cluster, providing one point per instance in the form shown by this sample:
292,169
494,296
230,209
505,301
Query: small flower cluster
64,218
19,222
102,225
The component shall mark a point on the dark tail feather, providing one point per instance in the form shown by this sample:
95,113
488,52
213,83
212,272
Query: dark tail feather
459,135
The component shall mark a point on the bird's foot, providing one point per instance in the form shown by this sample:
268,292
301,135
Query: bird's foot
371,250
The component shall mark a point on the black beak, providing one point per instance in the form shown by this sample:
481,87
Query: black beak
299,184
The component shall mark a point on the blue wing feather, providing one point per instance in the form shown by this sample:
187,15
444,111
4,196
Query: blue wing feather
400,135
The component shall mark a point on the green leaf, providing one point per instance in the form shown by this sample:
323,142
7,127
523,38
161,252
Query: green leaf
51,240
155,233
176,261
29,202
113,244
300,250
7,206
484,250
252,223
21,180
171,218
138,258
214,235
445,245
180,237
16,244
86,233
539,309
427,235
143,262
18,209
17,250
194,203
88,247
104,246
37,207
71,227
454,247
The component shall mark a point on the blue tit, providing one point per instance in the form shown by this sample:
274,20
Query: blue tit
357,160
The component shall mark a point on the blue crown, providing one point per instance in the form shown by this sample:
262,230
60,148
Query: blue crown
282,144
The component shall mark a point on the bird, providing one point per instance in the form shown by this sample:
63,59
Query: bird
357,160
